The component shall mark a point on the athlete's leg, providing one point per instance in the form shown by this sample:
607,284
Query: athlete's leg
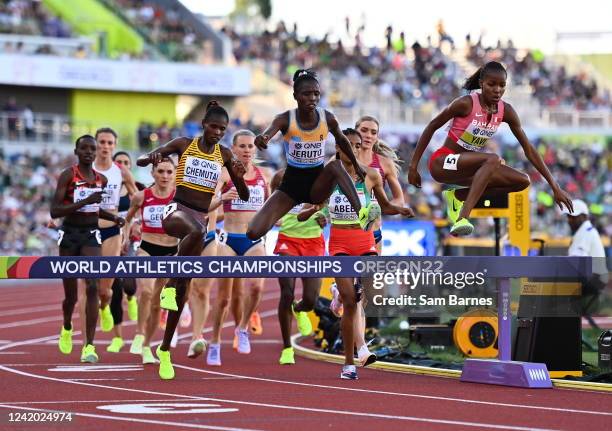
152,322
70,294
180,224
254,289
224,292
199,297
504,180
145,287
334,173
237,300
347,293
273,209
287,287
116,306
91,292
310,293
110,247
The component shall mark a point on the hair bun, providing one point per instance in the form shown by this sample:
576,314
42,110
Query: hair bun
211,104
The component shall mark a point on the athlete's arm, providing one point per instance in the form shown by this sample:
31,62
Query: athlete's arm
388,208
236,172
105,215
343,143
460,107
512,118
218,199
175,146
308,212
128,180
61,209
280,123
135,205
392,180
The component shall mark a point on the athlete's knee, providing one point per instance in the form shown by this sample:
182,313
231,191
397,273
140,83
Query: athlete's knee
523,182
254,232
91,289
493,160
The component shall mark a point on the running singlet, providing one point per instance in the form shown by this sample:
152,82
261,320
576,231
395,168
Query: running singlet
340,209
198,170
473,132
291,227
152,211
79,189
305,148
378,166
258,193
110,200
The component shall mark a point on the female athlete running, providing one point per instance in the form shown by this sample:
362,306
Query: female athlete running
150,203
200,162
77,198
462,160
306,179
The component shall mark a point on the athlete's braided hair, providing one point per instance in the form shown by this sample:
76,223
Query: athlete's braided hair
473,82
303,75
214,109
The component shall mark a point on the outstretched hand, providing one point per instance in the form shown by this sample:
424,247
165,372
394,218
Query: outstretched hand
563,199
414,178
261,141
406,211
238,168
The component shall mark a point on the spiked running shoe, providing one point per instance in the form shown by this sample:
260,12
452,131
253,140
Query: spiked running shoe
196,348
287,356
147,356
213,358
166,370
133,308
106,319
136,347
303,322
368,215
115,345
65,341
255,324
453,205
349,372
462,227
244,345
88,354
167,299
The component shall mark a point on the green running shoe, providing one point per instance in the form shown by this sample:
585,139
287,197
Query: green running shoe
166,370
453,205
462,227
65,341
106,319
115,345
133,308
368,215
88,354
287,357
147,356
303,322
136,347
167,299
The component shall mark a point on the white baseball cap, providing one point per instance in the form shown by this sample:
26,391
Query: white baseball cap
580,207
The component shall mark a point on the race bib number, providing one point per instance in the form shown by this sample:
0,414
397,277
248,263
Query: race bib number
340,208
153,215
202,172
222,237
169,209
60,237
82,193
257,196
451,161
306,153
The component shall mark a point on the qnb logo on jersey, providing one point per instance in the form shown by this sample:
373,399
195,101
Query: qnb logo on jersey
154,215
202,172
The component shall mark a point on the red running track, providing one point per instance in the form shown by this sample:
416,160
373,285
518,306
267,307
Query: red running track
248,392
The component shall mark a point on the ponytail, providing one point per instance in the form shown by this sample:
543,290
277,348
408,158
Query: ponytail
214,109
473,82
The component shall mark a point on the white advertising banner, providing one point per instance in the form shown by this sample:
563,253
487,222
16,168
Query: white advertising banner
116,75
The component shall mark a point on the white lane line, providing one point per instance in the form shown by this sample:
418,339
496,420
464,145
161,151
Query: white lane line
21,323
89,401
99,380
126,419
57,307
285,407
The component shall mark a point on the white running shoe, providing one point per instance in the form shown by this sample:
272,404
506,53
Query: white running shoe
196,348
174,341
365,356
244,345
213,358
136,347
185,320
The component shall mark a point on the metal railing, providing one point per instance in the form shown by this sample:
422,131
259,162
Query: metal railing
67,47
